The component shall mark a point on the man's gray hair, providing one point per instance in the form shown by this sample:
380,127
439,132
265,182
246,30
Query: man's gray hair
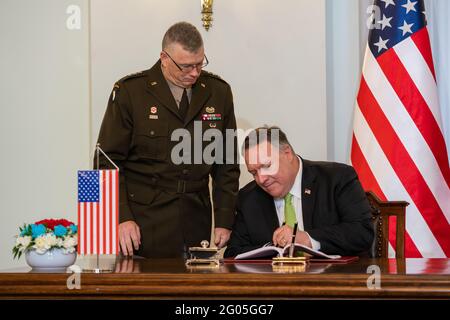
272,134
185,34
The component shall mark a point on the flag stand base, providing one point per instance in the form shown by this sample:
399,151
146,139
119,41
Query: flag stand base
98,270
95,267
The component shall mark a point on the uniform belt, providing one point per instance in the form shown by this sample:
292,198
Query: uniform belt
181,186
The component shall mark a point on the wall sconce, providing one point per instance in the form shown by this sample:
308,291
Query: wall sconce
207,13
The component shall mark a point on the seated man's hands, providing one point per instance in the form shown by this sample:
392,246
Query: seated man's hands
129,237
283,236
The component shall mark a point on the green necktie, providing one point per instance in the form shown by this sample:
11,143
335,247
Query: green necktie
289,212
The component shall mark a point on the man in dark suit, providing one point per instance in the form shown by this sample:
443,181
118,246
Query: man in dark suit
165,205
325,199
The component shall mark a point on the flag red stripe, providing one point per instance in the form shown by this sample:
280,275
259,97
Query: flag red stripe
79,229
85,227
104,218
116,251
91,229
110,212
404,166
417,108
411,250
97,219
422,41
365,174
369,182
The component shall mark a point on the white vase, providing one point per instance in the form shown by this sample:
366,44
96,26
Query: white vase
51,259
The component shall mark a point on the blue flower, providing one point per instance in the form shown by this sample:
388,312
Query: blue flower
24,231
60,230
37,230
74,228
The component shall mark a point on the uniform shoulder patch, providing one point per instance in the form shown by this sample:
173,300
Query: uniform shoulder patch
133,75
212,75
116,87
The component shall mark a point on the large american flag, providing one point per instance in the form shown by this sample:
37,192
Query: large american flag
98,212
398,147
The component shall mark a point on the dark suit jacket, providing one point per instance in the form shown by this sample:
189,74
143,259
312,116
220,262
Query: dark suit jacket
336,212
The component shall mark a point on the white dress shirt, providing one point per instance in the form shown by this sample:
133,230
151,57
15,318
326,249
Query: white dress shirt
296,192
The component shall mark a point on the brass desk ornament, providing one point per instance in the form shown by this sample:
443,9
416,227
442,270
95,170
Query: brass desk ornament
203,257
280,261
291,260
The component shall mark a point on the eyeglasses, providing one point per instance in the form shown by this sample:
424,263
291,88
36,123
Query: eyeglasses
186,68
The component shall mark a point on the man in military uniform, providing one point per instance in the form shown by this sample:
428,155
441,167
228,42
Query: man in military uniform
164,206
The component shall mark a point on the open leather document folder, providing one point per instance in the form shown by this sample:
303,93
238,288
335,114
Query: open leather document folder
266,253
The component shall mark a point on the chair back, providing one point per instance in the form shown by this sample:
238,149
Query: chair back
381,211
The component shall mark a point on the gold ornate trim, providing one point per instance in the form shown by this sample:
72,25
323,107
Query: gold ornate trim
207,13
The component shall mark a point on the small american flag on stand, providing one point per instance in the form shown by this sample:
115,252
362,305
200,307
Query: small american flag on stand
98,211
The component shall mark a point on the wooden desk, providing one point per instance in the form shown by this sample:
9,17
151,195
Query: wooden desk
170,279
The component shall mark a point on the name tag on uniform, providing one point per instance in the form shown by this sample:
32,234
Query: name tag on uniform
211,117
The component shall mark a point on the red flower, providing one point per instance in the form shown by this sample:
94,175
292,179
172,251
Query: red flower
52,223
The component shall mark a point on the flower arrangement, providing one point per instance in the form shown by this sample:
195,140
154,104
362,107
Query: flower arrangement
46,235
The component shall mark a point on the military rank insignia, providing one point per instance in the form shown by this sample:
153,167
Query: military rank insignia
153,111
116,87
211,117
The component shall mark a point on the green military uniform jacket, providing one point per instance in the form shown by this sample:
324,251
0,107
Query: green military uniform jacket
170,202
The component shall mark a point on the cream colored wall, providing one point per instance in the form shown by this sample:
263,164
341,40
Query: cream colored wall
343,73
44,122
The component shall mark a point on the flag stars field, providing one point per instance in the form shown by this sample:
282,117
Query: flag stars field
410,6
381,44
385,22
406,28
387,3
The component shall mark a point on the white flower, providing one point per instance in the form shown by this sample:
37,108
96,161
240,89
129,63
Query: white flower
45,242
40,244
70,242
50,240
23,242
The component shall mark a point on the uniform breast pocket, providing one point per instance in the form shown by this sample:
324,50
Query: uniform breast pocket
210,127
152,142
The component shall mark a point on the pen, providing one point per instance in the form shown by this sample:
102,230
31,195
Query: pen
291,249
